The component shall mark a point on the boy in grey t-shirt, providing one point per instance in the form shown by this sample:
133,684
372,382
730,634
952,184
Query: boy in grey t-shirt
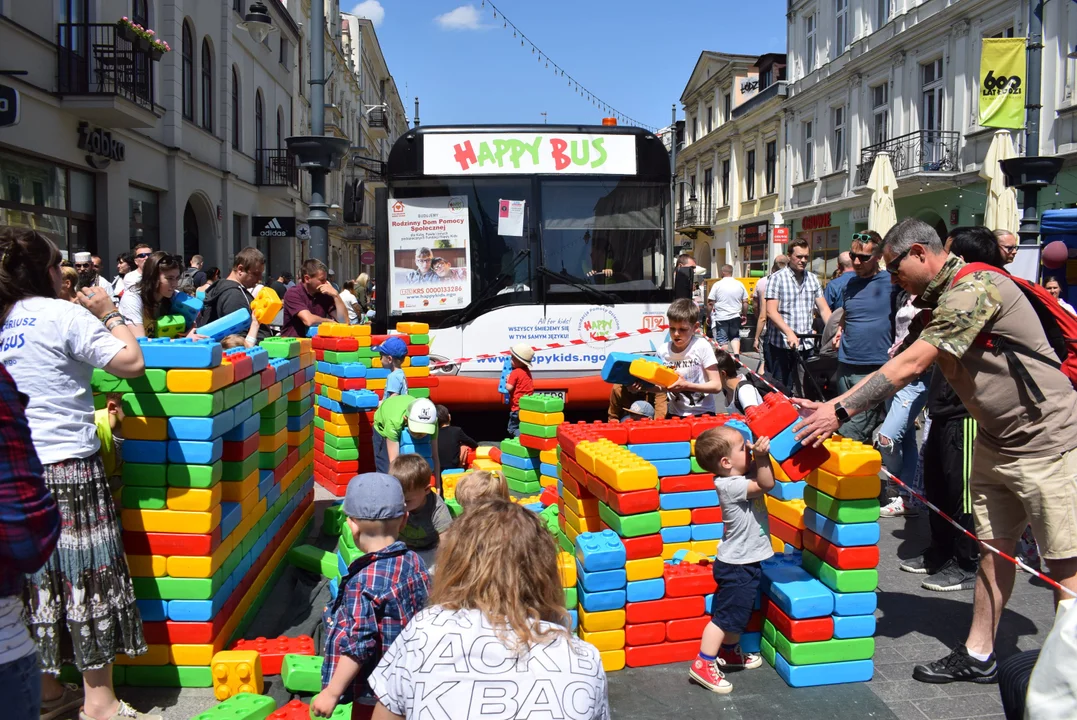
746,543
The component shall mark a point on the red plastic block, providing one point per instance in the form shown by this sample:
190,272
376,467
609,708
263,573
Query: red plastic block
786,532
495,453
170,632
688,580
376,340
686,483
269,376
807,630
656,431
294,710
568,435
843,558
687,629
800,465
644,546
274,650
702,423
661,654
774,415
664,609
537,443
335,489
423,382
418,350
549,496
242,366
351,384
157,543
631,503
234,451
705,516
755,621
337,466
645,633
596,488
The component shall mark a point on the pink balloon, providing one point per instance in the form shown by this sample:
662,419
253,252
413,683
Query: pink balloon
1055,254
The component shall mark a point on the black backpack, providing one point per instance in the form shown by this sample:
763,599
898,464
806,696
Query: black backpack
752,380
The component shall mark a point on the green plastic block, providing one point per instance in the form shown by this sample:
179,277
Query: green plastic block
423,339
570,598
168,588
842,511
419,392
814,653
319,423
341,443
143,498
767,651
154,381
542,403
298,407
512,446
252,385
549,516
272,460
696,467
233,395
367,362
341,454
260,400
100,402
843,581
173,404
314,559
273,424
196,476
144,475
233,560
281,347
277,407
188,676
519,475
346,546
332,520
630,525
244,706
564,542
454,508
367,353
306,446
542,431
171,326
287,385
524,488
239,469
302,673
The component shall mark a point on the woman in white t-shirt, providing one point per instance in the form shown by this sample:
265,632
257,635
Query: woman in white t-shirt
150,299
81,604
494,639
350,302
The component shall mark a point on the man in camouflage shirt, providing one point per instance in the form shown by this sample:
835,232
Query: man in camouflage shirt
1024,466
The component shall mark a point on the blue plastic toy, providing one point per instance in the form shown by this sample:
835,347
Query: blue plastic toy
231,323
187,306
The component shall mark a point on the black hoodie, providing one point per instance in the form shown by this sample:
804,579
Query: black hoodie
227,296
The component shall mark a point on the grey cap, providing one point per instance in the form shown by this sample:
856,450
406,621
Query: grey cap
641,408
374,496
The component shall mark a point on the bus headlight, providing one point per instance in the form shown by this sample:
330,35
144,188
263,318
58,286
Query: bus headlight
443,366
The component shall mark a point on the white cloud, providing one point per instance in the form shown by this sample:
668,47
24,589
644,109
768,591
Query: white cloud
465,17
370,9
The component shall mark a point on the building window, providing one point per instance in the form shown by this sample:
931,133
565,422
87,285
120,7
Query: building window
235,108
286,54
932,95
259,121
207,86
880,113
1007,33
187,73
838,146
809,43
749,175
808,155
766,78
280,128
841,26
144,217
727,107
695,127
708,185
710,118
237,6
772,166
882,13
692,188
140,12
725,182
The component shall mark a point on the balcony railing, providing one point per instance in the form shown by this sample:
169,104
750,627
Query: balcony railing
275,167
93,59
699,215
920,151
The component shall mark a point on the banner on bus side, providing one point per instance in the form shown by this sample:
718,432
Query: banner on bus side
429,254
555,153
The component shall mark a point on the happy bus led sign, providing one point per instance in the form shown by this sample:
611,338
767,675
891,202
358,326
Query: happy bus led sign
528,153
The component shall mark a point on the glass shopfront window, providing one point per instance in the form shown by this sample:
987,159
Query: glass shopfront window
144,217
754,244
33,195
824,251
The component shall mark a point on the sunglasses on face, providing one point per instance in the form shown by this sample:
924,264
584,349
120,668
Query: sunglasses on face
862,237
143,255
895,264
862,257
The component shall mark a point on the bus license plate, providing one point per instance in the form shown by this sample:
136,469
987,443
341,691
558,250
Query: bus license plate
563,394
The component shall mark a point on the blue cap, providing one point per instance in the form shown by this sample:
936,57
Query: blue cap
374,496
393,347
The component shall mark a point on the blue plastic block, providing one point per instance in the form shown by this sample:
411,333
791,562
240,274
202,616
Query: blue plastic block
231,516
326,368
182,353
740,427
708,531
599,601
259,357
265,483
842,534
823,673
244,430
688,500
545,469
187,306
644,590
680,534
797,593
520,463
615,370
854,626
452,471
145,451
787,548
749,642
353,370
420,361
575,615
406,438
601,580
242,411
788,490
662,450
328,403
851,604
153,610
295,424
421,450
200,428
359,399
312,331
234,322
787,559
377,373
600,551
195,452
784,445
668,468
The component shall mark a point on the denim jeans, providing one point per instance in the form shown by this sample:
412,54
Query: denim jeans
514,424
20,683
900,455
381,453
861,426
782,364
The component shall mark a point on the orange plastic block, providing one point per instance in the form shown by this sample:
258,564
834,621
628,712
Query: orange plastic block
236,491
412,328
791,511
147,565
566,565
266,305
203,380
686,629
652,372
417,372
645,633
662,653
665,609
270,443
136,427
235,672
583,508
851,458
860,487
644,568
602,621
687,580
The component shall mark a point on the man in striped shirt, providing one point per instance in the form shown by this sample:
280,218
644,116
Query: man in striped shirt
793,297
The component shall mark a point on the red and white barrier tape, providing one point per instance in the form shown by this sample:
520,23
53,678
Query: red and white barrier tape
556,346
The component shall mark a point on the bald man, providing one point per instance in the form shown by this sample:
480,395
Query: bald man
834,288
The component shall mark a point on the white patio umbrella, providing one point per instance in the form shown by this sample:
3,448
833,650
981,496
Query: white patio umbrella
882,183
1001,211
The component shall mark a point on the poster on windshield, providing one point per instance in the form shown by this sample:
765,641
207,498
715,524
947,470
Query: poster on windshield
429,254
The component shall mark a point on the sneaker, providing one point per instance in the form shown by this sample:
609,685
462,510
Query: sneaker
709,676
737,659
958,666
897,508
920,565
69,700
123,712
950,578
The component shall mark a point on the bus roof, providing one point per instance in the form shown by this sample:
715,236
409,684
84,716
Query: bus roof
407,158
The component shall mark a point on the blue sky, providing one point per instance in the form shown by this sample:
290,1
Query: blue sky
467,68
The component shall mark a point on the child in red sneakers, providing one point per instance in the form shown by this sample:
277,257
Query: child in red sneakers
723,451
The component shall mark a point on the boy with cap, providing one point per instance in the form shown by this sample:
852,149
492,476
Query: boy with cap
382,591
418,415
519,383
393,351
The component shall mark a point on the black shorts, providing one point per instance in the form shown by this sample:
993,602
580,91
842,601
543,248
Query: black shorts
738,588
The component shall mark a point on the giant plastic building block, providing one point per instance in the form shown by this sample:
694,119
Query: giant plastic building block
266,305
600,551
616,369
797,593
238,707
842,534
181,353
186,306
851,458
236,672
272,651
842,511
652,372
822,674
813,653
542,403
233,322
171,326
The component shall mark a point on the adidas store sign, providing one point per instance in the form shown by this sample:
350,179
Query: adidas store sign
273,226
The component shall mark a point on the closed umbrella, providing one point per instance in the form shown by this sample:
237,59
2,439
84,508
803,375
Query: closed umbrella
1001,211
882,183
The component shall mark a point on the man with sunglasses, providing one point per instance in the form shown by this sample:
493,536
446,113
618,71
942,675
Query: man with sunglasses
140,253
88,274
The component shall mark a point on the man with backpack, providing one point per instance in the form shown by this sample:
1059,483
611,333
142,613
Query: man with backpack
991,337
234,292
195,273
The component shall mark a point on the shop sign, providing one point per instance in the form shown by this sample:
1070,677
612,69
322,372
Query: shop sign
859,214
754,234
9,106
272,226
528,153
100,145
367,258
816,222
780,234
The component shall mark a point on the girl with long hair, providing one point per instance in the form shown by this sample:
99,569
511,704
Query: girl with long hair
496,618
80,606
151,298
69,284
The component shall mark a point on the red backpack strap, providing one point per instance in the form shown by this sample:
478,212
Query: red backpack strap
969,268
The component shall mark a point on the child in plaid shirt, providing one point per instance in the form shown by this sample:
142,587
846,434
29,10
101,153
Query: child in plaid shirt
382,591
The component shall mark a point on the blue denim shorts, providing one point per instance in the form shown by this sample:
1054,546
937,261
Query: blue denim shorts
726,330
738,589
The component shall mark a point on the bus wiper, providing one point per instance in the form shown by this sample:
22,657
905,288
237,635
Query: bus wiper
490,292
567,279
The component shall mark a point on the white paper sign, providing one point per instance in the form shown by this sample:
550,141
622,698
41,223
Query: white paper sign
429,249
528,153
510,217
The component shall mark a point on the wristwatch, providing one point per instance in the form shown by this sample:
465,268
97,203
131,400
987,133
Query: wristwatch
841,413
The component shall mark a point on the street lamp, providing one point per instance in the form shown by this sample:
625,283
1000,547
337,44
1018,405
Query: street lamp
257,22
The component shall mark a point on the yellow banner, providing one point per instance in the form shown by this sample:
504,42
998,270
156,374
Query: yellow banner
1002,83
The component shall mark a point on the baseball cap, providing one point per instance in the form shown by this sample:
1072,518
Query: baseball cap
640,409
393,347
422,417
374,496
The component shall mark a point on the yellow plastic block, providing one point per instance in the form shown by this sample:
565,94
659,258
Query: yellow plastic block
586,452
670,549
264,308
448,485
777,544
135,427
566,565
376,362
613,660
625,471
483,451
298,437
582,524
193,499
349,421
376,384
273,393
538,418
692,558
235,672
581,508
332,393
333,329
851,458
705,547
652,372
644,568
416,371
270,443
791,511
189,654
571,533
197,566
302,391
779,474
203,380
549,456
155,655
326,380
602,621
605,639
675,518
486,464
236,491
547,481
171,520
412,328
147,565
859,487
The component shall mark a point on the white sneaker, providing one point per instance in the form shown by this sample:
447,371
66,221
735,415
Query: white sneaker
897,508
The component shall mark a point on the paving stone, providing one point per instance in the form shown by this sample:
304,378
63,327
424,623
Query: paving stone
963,706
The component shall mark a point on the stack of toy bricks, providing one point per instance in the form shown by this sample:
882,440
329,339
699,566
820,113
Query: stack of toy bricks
416,365
540,415
601,583
520,466
566,566
202,531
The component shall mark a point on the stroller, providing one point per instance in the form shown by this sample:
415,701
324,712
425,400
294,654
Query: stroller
819,370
